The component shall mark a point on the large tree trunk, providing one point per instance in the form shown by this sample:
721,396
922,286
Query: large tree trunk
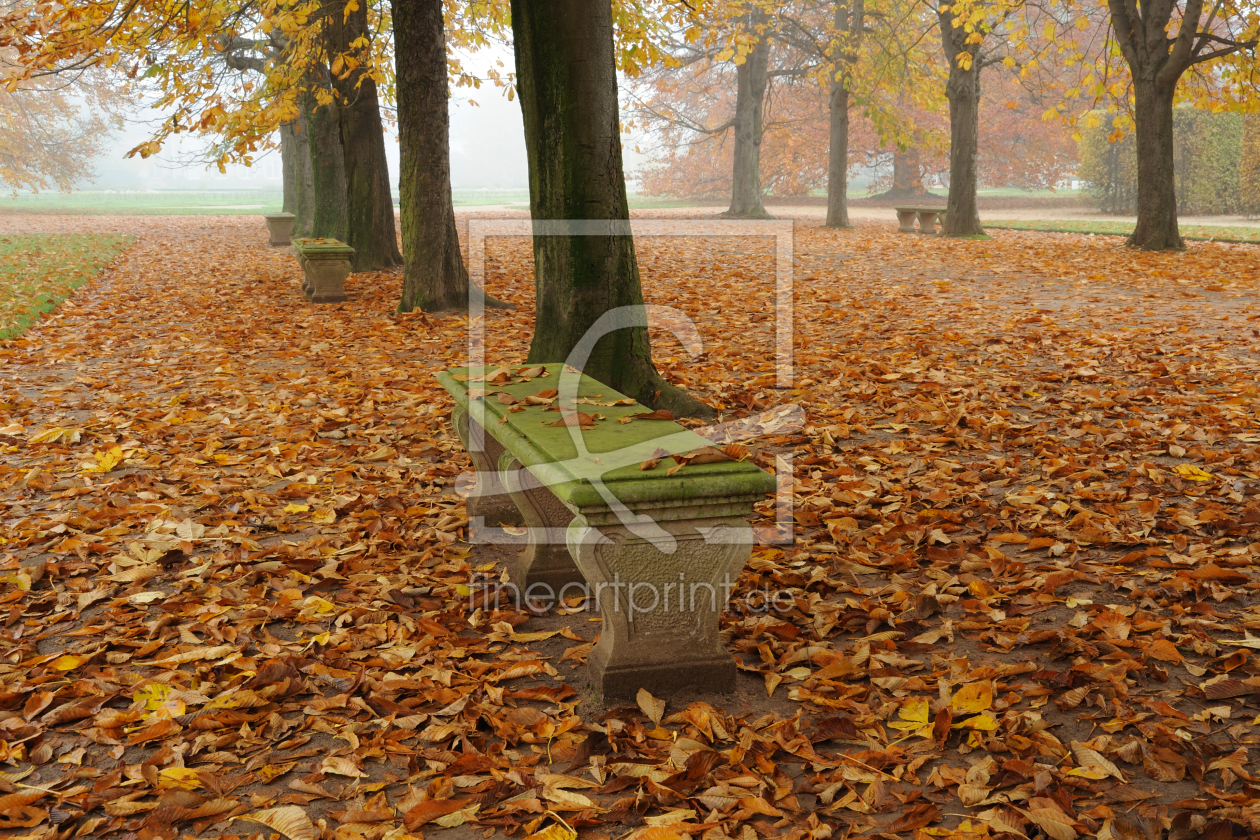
328,174
567,78
369,199
1156,228
963,92
289,166
751,77
1156,64
295,158
304,211
848,26
838,159
435,278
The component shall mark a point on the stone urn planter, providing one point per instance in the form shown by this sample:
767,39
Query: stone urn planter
280,227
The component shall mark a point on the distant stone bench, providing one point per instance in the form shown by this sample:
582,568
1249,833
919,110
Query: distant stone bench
279,228
325,264
927,216
659,552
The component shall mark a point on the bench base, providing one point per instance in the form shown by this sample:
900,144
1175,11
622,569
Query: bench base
279,229
715,676
927,216
325,280
661,607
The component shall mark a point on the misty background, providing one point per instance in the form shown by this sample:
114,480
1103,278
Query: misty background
487,151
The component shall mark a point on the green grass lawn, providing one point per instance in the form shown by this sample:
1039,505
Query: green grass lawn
1215,233
166,202
38,272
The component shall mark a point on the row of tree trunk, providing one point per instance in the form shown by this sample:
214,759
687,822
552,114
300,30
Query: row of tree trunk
336,177
1141,34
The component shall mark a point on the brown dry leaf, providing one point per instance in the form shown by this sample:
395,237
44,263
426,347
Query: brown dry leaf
659,414
1052,821
1095,765
1164,651
654,460
652,707
575,418
430,810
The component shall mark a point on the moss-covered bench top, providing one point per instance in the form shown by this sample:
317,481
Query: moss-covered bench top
597,436
323,249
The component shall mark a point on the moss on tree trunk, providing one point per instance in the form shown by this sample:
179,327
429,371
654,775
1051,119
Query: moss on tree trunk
328,173
370,228
567,80
295,156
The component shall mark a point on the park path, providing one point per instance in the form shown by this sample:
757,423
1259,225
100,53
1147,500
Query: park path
1027,498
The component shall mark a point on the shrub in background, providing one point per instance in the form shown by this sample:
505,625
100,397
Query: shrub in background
1108,170
1208,149
1249,166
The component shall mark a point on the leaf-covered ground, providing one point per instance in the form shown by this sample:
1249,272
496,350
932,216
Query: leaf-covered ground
38,272
1021,597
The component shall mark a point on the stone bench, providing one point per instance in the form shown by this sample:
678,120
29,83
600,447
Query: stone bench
927,216
279,228
659,553
325,266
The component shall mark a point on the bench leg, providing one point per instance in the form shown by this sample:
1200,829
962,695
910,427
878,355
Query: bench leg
661,610
325,280
489,500
306,282
927,222
905,218
546,561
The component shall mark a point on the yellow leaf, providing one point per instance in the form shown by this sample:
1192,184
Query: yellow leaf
914,714
153,695
296,508
984,722
56,435
973,698
104,461
555,831
291,821
20,579
67,662
318,605
184,777
1192,473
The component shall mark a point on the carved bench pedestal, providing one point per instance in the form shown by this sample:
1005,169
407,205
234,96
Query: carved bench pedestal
660,609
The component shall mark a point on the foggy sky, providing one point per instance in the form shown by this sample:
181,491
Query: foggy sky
487,152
